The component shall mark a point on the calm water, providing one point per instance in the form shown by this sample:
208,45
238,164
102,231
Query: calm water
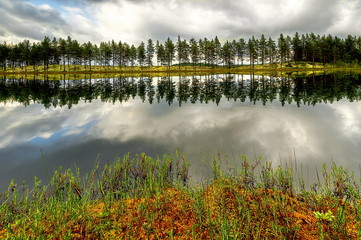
311,120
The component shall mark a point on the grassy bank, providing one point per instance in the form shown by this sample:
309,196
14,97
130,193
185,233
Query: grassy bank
146,198
57,72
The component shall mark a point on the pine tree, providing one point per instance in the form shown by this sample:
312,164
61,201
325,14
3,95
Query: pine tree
194,52
132,53
217,50
4,55
127,55
179,48
262,49
62,51
141,54
252,51
227,54
115,53
241,50
282,48
169,50
271,50
150,53
88,53
68,50
35,55
55,55
46,52
25,52
160,54
297,48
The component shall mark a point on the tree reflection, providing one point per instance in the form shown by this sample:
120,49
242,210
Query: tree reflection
307,90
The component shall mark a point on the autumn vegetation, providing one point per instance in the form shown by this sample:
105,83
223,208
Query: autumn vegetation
145,198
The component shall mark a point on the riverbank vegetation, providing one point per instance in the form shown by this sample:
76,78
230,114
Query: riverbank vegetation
145,198
79,72
68,55
163,70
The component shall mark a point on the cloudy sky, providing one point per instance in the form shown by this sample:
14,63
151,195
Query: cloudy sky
136,20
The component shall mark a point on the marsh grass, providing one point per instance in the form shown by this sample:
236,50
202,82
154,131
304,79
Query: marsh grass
154,198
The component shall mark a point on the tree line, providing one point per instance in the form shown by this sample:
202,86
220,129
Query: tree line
308,90
310,48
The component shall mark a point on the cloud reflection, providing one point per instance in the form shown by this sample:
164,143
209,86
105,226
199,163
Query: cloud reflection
80,135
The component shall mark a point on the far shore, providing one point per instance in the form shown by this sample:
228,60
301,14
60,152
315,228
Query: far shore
181,70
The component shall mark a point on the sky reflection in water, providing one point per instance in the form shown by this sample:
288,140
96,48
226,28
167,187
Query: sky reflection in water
102,131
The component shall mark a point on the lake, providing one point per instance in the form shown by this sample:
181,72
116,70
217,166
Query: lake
304,120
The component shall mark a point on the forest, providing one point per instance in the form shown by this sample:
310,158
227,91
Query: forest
309,48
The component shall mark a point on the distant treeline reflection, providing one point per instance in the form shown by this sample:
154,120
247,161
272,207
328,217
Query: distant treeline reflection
308,90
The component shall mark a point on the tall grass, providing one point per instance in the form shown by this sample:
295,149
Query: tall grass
154,198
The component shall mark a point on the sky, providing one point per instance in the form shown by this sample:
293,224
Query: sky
134,21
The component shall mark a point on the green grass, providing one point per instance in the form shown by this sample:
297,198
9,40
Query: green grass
154,198
56,72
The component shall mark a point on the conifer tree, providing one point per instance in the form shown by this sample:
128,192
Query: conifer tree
271,50
194,52
169,50
141,54
241,48
150,52
262,49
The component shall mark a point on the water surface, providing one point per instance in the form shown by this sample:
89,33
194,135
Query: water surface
310,120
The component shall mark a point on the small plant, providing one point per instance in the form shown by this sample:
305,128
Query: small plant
328,216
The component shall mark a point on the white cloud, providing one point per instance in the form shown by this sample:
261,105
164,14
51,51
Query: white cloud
24,124
137,20
45,7
134,21
348,20
80,26
349,119
22,20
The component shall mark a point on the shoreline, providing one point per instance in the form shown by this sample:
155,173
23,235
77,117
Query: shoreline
161,70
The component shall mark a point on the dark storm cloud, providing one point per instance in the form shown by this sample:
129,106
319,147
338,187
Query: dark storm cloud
24,20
